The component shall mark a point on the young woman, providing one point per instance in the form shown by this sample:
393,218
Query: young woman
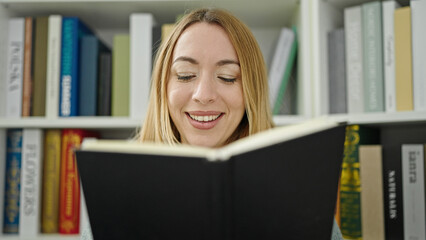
209,84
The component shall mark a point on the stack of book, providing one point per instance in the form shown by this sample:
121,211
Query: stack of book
376,62
59,67
42,185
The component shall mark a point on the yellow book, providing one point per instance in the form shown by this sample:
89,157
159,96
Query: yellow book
120,76
403,60
51,176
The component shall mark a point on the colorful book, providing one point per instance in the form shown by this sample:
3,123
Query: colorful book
51,177
413,189
354,59
27,80
388,9
40,66
15,62
104,84
418,18
69,192
374,97
120,76
73,29
141,44
278,66
372,202
337,71
90,50
403,60
31,172
350,183
13,181
53,65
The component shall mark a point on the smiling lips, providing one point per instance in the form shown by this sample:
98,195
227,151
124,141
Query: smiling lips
204,120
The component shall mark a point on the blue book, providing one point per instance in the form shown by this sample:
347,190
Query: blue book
91,48
13,181
73,30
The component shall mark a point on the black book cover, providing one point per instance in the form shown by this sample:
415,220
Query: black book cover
285,190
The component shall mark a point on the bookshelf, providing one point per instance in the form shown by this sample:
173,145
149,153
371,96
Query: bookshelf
110,17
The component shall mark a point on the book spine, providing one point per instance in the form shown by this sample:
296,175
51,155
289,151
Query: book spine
72,31
88,75
40,63
30,202
120,76
285,78
350,188
403,59
53,66
354,59
388,8
336,71
418,18
13,181
51,177
27,79
69,198
3,137
413,187
69,44
15,58
372,215
104,85
373,57
141,27
279,62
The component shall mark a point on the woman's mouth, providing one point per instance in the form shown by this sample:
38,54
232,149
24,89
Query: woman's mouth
204,121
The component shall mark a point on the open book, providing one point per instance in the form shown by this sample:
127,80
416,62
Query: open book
278,184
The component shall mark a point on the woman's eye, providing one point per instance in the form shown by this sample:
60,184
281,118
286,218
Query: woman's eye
228,79
185,77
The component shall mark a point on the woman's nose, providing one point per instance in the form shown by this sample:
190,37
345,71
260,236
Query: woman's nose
205,90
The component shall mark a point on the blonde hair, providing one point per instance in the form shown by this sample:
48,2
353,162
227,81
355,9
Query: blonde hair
158,126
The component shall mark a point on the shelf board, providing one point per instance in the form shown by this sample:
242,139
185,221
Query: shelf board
382,118
112,14
72,122
42,237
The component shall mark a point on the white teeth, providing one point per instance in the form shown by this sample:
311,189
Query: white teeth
204,118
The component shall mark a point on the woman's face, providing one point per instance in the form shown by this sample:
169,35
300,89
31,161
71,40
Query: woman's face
204,91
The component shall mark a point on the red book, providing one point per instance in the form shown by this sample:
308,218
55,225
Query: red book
69,199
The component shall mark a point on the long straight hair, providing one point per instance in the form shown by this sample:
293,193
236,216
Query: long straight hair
158,125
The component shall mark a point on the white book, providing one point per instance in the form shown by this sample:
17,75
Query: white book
418,19
54,36
141,34
279,63
413,191
354,59
31,171
388,8
2,172
15,62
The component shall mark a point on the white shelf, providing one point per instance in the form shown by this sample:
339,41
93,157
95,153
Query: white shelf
72,122
42,237
114,14
382,118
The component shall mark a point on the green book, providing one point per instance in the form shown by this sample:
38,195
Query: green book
374,100
350,183
288,70
120,76
40,67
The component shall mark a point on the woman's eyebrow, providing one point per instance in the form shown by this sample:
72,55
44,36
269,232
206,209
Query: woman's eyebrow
185,59
227,61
